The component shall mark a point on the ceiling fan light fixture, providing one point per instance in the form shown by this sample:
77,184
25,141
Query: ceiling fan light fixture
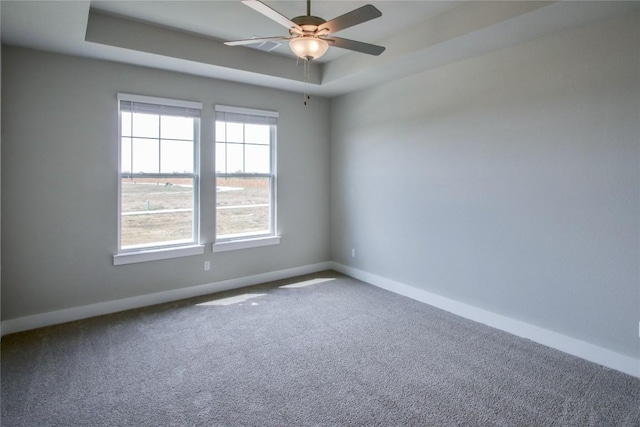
309,47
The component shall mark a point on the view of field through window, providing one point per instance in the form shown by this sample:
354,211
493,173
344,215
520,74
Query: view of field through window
158,203
242,206
157,165
243,176
156,211
161,210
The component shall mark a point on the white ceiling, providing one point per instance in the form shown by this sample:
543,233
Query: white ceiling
231,20
186,36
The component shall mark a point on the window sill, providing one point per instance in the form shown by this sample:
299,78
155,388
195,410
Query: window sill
232,245
157,254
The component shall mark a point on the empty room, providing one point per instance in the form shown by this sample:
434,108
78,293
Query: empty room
320,213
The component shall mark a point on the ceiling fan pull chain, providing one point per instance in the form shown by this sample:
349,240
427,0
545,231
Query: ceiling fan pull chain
306,68
306,80
305,65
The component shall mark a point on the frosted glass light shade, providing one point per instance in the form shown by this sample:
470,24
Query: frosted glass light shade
309,47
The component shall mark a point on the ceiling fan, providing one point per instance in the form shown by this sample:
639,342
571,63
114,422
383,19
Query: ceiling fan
310,36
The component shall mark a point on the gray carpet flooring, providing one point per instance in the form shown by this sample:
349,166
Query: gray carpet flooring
301,352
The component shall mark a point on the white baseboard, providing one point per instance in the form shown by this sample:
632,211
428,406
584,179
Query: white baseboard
84,312
573,346
552,339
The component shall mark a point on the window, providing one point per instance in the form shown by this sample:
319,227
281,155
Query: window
245,174
158,199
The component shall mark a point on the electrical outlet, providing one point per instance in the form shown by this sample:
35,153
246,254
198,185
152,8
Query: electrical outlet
353,252
207,265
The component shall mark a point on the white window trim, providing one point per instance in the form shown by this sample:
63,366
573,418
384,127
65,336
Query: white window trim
157,254
132,255
248,111
156,100
247,243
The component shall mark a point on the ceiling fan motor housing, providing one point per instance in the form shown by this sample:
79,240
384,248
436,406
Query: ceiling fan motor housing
308,20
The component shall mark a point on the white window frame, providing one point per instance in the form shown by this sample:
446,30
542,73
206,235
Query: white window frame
251,240
145,253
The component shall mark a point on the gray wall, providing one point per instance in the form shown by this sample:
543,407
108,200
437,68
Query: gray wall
509,181
59,182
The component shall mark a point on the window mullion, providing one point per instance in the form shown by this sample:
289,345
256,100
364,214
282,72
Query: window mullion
195,182
226,148
131,145
272,180
159,143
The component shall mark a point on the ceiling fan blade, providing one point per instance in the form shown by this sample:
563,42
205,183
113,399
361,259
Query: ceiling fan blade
361,47
349,19
253,41
258,6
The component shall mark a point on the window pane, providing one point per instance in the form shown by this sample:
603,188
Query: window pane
176,127
221,135
146,125
156,210
245,221
257,159
176,156
221,154
160,210
235,158
235,132
145,156
242,206
257,134
125,155
125,123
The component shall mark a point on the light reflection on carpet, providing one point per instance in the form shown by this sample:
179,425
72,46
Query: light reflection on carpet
231,300
306,283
